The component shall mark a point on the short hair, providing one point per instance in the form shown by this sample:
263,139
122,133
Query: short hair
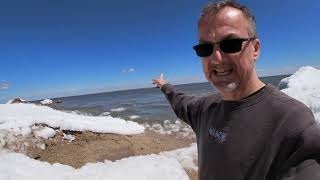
213,8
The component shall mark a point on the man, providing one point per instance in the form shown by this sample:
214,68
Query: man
249,130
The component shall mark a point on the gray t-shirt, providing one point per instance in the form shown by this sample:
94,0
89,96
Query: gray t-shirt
264,136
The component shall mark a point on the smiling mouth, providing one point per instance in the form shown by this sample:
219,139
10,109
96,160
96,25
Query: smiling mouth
222,72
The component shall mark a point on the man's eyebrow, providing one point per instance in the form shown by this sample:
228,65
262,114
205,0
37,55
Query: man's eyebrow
201,41
229,36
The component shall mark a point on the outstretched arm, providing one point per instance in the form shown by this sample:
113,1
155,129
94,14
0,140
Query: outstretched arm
185,107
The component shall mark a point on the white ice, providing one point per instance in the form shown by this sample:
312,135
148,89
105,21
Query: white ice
69,137
118,109
45,133
46,101
134,117
105,114
179,128
149,167
18,118
304,85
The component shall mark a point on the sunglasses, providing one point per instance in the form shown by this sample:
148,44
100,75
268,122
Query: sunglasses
226,46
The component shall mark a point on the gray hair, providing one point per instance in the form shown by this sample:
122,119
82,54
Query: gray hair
213,8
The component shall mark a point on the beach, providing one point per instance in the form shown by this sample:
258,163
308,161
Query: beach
40,138
44,142
97,147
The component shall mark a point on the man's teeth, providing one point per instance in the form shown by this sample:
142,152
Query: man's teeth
223,71
220,70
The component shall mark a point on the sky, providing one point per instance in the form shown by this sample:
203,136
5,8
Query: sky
56,48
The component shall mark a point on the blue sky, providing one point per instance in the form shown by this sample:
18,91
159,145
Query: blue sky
54,48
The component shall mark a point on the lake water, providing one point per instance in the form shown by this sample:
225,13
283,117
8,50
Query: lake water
140,105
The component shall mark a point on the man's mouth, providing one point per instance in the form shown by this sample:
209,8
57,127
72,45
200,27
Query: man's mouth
222,72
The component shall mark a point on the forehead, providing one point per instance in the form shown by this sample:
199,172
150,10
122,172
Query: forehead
226,22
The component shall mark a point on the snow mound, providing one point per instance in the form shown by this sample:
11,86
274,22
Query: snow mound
156,167
19,118
304,85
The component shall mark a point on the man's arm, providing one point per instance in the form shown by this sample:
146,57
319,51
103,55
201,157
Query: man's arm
303,148
304,162
187,108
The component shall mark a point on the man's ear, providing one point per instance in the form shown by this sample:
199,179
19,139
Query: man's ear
256,46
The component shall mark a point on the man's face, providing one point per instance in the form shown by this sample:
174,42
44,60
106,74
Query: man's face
228,72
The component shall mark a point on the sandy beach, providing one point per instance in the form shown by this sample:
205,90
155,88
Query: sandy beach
97,147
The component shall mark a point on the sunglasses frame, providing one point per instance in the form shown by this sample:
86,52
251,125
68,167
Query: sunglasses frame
219,42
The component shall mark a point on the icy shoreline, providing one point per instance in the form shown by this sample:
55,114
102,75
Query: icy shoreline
24,126
25,120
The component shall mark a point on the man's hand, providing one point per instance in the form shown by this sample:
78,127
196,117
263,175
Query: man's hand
160,81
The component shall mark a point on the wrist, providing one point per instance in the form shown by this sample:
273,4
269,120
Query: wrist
162,85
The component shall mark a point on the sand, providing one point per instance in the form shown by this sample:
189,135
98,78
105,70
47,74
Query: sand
95,147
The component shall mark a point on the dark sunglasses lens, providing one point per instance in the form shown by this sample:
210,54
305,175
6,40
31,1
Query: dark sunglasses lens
203,50
231,45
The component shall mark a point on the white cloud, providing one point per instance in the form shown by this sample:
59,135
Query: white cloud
129,70
4,84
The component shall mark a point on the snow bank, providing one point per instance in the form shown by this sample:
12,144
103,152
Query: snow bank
156,167
9,102
185,156
304,85
19,118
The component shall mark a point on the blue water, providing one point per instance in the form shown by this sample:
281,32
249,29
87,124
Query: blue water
148,103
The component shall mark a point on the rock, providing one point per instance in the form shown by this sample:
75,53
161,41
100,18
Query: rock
57,101
17,100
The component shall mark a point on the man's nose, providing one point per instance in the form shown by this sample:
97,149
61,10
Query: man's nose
216,57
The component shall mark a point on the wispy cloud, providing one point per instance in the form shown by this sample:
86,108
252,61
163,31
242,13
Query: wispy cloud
129,70
4,84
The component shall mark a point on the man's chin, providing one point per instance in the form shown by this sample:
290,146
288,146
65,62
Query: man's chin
231,87
224,86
